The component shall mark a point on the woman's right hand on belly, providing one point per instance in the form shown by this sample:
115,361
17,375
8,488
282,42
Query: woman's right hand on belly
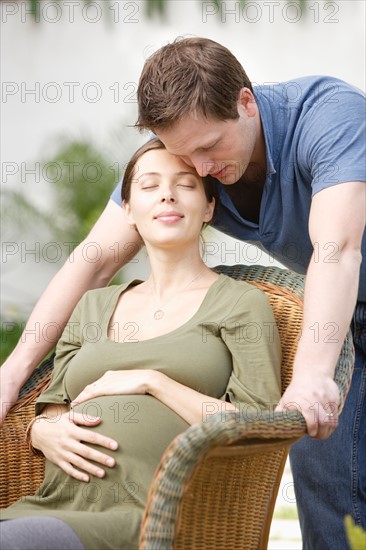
64,442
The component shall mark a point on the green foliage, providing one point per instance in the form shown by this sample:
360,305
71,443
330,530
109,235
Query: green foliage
81,180
87,180
355,534
286,512
9,339
10,333
34,6
152,7
155,6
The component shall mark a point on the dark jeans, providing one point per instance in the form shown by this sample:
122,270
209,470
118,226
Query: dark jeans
330,475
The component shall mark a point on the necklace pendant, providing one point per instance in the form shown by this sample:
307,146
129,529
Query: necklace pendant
159,314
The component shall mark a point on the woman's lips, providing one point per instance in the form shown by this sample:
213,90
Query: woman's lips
169,217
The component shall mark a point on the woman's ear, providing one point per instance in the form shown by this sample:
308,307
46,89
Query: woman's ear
130,219
127,208
209,211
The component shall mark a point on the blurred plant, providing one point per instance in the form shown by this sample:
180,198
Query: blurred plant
35,6
355,534
218,4
81,180
9,339
152,7
10,333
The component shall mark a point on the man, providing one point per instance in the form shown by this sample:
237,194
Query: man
291,161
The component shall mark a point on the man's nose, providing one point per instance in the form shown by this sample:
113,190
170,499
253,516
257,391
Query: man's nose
203,166
188,161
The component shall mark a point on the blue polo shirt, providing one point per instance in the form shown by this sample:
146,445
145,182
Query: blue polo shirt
314,130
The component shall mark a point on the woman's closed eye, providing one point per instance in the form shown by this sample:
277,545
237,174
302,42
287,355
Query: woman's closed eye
186,181
149,186
186,185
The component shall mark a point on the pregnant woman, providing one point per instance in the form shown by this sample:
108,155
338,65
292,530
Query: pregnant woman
137,364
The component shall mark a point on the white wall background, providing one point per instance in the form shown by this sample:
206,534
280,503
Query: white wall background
83,64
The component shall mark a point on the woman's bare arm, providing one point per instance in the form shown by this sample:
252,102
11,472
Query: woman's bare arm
113,244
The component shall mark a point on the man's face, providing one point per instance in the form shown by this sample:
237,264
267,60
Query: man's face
222,149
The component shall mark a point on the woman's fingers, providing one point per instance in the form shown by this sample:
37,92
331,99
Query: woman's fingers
93,437
65,443
87,453
79,453
125,382
69,469
79,467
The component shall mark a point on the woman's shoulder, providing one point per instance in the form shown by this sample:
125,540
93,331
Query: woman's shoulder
236,287
101,295
240,293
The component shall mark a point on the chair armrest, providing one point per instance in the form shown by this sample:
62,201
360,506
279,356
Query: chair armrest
21,472
217,483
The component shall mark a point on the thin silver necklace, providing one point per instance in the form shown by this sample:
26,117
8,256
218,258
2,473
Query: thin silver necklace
159,313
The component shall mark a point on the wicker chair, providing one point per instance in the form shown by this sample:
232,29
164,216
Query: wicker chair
217,483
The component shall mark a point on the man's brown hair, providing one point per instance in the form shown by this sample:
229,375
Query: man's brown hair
189,76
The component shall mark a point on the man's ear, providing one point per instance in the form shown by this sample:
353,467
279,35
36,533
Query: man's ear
247,101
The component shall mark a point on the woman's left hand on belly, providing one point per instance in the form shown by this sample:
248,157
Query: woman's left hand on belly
123,382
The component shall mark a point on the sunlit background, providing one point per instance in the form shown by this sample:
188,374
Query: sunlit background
69,74
69,77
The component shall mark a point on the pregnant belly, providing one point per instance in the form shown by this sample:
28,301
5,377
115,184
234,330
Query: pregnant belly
141,424
143,428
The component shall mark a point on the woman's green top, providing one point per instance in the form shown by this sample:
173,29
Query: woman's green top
229,349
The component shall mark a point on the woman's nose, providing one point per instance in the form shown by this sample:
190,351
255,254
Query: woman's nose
167,196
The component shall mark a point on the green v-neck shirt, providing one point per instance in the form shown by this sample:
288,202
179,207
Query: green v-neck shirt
229,349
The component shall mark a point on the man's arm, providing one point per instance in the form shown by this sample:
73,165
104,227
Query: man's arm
62,294
336,225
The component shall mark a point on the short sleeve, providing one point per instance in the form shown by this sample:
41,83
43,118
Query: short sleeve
67,347
333,136
116,196
251,334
